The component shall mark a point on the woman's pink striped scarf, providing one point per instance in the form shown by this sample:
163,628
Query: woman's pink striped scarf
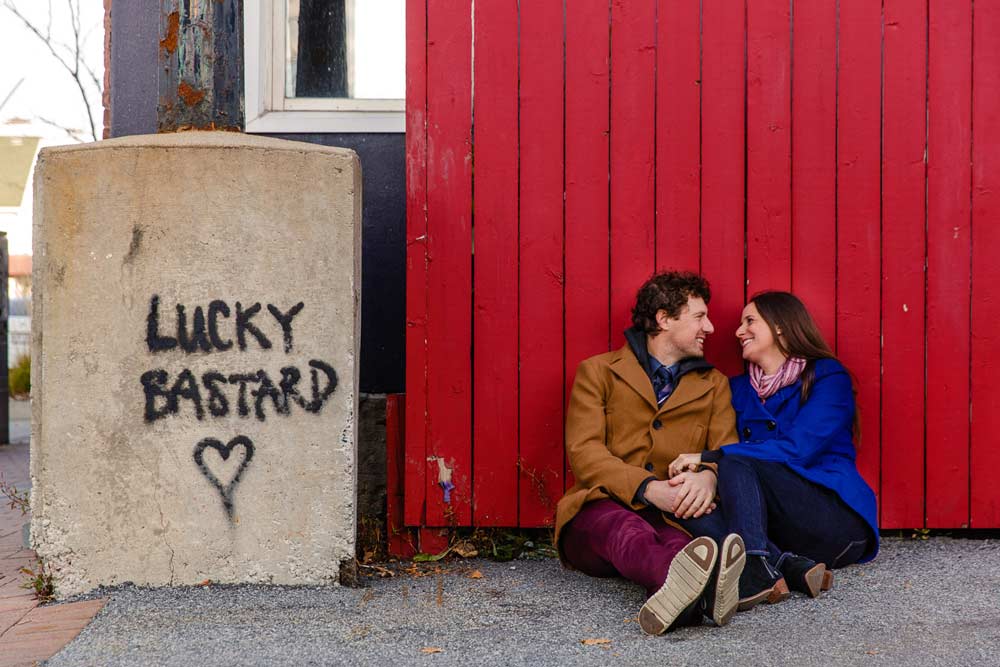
767,385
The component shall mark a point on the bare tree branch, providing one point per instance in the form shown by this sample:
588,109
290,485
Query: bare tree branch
73,133
72,60
11,93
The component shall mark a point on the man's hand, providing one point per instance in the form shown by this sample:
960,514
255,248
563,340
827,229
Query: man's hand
662,495
684,462
666,496
695,491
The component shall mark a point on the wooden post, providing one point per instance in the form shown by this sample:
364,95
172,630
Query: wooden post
200,65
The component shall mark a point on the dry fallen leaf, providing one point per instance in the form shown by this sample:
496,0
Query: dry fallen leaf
476,574
465,549
595,642
207,582
431,649
874,651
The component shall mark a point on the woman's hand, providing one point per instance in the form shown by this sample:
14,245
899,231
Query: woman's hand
696,490
666,496
684,462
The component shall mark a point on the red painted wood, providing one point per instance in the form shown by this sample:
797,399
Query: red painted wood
540,459
722,200
401,541
416,259
678,136
633,62
949,176
904,130
449,243
587,154
495,374
985,492
434,540
769,145
858,203
841,222
814,162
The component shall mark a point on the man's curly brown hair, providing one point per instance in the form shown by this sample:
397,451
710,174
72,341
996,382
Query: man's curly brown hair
667,291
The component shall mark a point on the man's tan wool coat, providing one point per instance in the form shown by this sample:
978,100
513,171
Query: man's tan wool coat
612,440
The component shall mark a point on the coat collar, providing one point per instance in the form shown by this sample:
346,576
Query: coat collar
692,385
747,401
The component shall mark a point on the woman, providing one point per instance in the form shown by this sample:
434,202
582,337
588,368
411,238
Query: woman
790,487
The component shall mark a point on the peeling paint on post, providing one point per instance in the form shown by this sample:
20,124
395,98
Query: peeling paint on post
200,58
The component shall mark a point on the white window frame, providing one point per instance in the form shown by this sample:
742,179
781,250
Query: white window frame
265,105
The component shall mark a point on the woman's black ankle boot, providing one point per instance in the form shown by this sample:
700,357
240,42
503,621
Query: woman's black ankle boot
805,575
760,582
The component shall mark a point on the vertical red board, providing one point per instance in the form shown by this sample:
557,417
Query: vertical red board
858,223
416,260
400,540
449,248
769,146
540,460
678,136
586,291
904,171
633,63
722,176
495,315
949,81
985,492
814,162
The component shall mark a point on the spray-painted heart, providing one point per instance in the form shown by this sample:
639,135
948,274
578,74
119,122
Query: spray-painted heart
224,451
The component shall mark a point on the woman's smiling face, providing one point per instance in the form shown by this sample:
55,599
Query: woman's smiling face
755,336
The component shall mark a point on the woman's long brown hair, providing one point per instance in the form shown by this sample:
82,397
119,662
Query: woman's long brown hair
800,337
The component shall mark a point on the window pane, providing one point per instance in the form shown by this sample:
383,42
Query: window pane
345,48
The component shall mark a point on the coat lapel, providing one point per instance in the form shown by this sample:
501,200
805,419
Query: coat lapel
627,367
691,387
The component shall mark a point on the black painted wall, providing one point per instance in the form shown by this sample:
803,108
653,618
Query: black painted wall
134,90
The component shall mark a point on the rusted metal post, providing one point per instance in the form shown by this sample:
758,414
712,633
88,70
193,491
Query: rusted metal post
201,65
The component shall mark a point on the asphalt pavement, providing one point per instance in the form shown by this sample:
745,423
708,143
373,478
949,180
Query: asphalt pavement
922,602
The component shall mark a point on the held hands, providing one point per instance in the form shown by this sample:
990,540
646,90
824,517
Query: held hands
684,462
696,490
685,496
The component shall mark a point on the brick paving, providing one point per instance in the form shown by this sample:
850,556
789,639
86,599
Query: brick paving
29,633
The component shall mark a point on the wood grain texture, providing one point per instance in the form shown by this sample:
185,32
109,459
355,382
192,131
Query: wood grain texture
858,217
904,174
949,81
985,400
495,318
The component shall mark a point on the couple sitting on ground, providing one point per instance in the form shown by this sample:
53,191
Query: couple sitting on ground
760,469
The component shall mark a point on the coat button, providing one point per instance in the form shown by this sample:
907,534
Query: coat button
771,425
649,467
657,424
746,432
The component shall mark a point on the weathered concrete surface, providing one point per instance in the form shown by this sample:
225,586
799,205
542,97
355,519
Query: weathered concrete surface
127,462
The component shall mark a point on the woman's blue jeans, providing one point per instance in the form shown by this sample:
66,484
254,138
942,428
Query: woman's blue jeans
777,512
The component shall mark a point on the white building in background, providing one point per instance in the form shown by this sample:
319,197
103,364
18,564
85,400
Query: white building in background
40,106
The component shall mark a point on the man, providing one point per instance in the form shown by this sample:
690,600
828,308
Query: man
631,413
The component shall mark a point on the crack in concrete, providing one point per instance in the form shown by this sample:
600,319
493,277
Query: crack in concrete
159,509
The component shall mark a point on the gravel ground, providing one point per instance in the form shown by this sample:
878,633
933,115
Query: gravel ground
934,602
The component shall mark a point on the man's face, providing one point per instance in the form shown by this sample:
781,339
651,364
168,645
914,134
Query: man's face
686,333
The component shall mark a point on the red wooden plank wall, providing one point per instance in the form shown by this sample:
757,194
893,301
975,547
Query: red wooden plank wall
559,151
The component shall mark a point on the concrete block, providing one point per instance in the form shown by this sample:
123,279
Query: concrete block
195,354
